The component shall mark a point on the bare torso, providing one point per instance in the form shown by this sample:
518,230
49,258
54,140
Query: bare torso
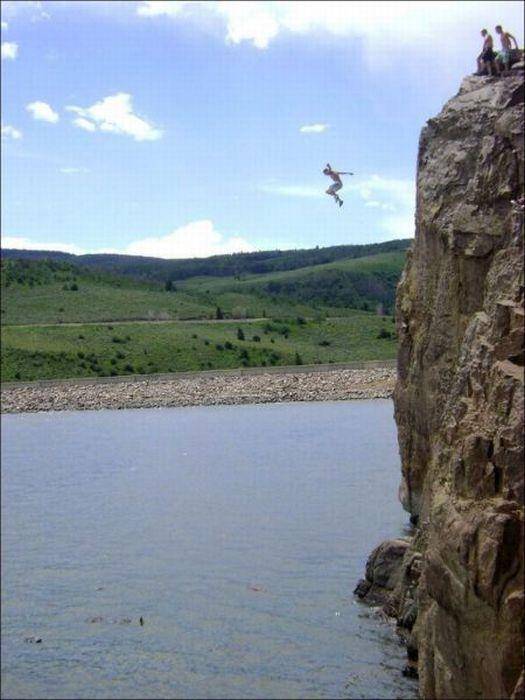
506,44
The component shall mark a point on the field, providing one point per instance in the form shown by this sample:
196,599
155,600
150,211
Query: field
60,319
69,294
46,352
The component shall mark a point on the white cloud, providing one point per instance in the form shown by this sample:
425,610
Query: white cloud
5,25
42,112
314,128
399,193
9,132
9,50
32,9
394,197
115,114
426,28
20,243
198,239
389,195
84,124
72,171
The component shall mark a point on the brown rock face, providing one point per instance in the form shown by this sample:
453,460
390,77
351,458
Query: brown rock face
459,398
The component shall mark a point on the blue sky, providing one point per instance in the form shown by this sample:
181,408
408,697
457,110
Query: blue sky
177,129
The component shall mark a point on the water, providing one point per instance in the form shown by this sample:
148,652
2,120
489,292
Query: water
238,533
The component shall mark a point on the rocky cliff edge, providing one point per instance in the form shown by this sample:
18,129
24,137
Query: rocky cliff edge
457,587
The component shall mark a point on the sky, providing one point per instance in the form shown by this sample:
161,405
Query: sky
181,129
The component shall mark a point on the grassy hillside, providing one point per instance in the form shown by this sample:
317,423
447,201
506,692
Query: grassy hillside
216,266
361,283
61,319
40,291
40,352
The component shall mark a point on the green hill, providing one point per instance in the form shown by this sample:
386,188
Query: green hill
234,264
65,319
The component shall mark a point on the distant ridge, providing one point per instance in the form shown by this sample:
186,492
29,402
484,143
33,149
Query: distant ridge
260,262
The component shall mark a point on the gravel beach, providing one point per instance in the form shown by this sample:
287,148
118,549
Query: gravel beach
201,389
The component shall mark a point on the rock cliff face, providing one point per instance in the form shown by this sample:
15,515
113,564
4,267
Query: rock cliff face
458,588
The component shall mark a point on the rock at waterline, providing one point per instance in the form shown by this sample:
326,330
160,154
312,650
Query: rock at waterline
33,640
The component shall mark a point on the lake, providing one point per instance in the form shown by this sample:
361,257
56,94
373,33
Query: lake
236,532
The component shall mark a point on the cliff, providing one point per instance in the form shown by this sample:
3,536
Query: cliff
457,586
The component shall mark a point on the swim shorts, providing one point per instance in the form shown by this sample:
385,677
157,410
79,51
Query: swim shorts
488,55
335,187
504,56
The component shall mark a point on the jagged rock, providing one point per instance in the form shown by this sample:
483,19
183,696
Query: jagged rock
459,396
383,567
459,400
384,570
362,588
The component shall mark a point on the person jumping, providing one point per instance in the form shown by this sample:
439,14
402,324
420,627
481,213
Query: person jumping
338,183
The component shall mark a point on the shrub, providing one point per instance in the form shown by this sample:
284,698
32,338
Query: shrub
256,339
81,337
383,333
74,287
120,355
206,342
80,355
272,340
301,321
113,373
298,359
113,361
228,345
219,347
128,368
244,354
240,334
18,375
219,313
110,328
194,335
116,339
324,343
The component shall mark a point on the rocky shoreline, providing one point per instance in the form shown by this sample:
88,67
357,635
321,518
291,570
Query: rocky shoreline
202,390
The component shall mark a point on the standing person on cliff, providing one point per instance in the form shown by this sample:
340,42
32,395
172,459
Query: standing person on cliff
338,183
506,46
486,58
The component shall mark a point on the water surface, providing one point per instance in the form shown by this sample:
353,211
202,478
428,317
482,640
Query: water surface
237,532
